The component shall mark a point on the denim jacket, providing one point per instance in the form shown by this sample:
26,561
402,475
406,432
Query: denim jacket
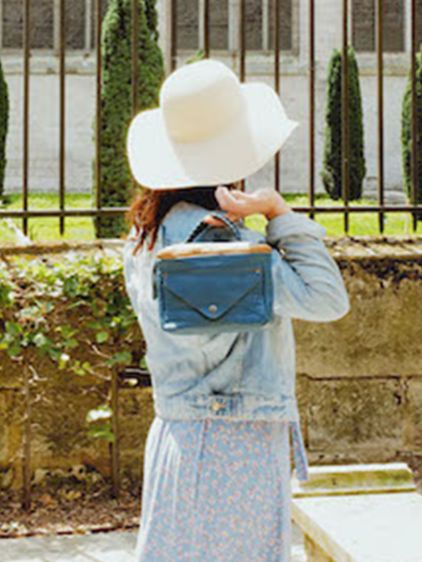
239,375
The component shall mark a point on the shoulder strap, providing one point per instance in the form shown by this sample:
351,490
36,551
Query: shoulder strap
202,225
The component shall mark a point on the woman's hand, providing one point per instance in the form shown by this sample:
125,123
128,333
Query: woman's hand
239,204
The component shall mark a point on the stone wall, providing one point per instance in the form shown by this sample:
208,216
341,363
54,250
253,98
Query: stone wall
359,379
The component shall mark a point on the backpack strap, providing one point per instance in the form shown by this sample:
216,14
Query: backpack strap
202,225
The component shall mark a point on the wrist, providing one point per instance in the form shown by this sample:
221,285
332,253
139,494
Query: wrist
278,210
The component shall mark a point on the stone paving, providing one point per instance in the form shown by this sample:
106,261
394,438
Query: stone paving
115,546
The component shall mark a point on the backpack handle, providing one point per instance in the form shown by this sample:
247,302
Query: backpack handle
202,225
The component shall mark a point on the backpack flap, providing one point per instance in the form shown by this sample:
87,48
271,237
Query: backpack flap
209,296
214,289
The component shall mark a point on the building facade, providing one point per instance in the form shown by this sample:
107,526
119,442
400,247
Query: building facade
224,41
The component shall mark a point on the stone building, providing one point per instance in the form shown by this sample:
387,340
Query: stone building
224,40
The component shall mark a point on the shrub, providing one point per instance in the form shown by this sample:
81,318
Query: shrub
152,19
4,123
406,133
331,173
67,327
116,101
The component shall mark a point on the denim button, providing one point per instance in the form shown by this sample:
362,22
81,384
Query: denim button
216,406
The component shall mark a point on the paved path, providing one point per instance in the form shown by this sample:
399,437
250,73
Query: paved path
115,546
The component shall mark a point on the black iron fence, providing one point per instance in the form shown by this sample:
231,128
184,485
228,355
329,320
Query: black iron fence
171,6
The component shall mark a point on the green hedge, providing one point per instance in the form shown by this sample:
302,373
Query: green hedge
4,123
331,173
406,133
116,101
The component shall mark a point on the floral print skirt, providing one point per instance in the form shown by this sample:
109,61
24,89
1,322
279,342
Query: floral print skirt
216,490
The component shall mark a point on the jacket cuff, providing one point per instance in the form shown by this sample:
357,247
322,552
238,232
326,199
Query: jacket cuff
292,223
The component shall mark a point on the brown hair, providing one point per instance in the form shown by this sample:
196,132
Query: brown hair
149,207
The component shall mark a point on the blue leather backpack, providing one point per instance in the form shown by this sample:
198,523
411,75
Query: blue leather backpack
211,287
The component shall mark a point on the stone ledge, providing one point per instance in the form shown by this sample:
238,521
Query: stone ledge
371,478
350,247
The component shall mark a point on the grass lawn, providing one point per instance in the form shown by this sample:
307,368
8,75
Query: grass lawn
47,228
81,228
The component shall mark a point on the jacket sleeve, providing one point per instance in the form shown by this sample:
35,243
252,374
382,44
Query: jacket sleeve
129,273
307,281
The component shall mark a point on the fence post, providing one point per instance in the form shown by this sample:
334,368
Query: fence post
115,456
26,441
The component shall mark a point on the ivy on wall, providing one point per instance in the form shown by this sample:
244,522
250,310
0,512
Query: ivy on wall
33,292
67,331
70,314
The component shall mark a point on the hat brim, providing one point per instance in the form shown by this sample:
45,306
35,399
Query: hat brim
246,145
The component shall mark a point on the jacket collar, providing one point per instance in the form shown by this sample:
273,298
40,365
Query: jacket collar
180,220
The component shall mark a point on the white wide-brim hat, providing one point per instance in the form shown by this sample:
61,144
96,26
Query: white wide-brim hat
210,129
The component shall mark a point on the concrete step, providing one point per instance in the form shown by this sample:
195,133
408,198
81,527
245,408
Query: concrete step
359,513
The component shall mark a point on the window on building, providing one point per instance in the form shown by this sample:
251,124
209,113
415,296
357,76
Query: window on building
93,31
188,24
224,23
219,17
42,27
363,25
75,24
80,24
45,22
285,27
254,17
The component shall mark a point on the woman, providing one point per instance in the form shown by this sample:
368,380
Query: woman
217,458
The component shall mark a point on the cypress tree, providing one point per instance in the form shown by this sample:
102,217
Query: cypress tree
4,123
332,160
406,133
152,18
116,101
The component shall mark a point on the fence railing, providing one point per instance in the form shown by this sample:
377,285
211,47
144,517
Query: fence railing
171,6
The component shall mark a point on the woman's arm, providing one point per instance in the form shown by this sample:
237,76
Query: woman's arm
307,281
